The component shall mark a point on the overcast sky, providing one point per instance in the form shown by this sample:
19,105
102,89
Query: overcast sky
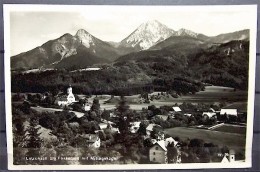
33,26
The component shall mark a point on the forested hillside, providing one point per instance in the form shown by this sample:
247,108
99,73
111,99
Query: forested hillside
176,70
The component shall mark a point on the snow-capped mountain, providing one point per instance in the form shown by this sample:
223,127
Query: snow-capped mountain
147,35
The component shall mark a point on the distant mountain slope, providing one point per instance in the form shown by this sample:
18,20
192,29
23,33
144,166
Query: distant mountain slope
219,64
50,52
179,43
226,64
82,59
96,46
82,45
227,37
186,32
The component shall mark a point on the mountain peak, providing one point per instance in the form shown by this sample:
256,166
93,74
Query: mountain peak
152,22
81,31
147,34
85,38
186,32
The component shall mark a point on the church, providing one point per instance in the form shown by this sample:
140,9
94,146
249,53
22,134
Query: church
66,99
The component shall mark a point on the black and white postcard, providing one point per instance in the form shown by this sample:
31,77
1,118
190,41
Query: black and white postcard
129,87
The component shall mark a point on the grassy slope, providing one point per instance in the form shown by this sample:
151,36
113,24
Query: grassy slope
231,140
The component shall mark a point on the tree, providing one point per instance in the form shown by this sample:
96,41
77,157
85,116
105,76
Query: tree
172,153
33,136
93,116
33,141
49,100
156,132
204,155
124,116
26,107
18,134
142,129
148,143
54,91
64,133
96,106
105,115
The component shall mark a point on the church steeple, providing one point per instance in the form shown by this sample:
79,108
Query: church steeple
71,97
69,90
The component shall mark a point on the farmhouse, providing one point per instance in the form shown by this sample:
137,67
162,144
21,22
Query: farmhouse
158,153
238,108
66,99
232,112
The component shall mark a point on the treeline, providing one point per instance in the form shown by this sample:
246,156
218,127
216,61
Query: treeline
114,81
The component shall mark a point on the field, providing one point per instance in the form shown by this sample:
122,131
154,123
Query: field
231,129
42,109
216,94
212,94
231,140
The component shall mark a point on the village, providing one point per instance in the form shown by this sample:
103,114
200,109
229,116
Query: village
177,133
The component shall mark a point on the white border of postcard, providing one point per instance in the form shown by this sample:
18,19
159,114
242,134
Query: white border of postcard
252,16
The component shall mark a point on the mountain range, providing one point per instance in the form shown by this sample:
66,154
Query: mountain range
83,49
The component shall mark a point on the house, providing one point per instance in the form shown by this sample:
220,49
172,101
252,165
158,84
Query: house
107,125
240,106
176,109
210,113
229,157
92,140
187,114
158,152
134,126
86,107
232,112
102,126
150,127
163,117
66,99
170,140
